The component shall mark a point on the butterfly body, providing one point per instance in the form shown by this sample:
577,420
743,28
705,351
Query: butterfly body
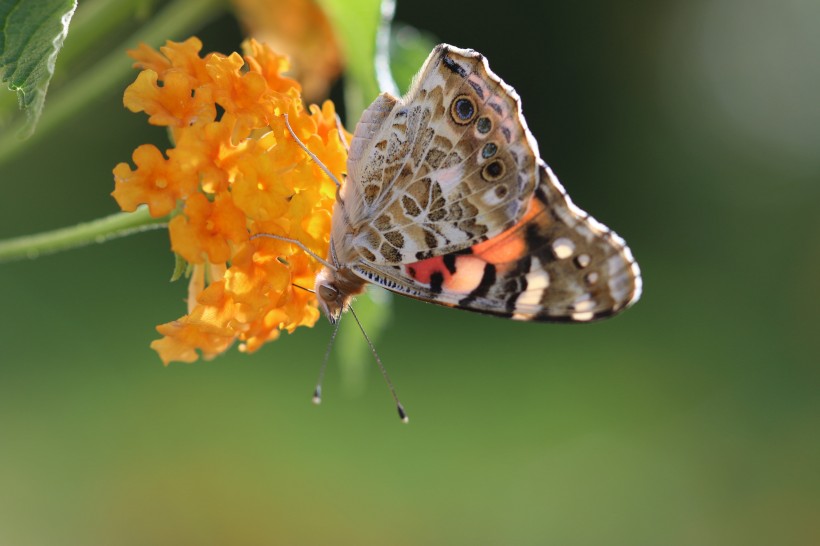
447,200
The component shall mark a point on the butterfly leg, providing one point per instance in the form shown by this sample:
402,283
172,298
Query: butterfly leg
311,154
300,244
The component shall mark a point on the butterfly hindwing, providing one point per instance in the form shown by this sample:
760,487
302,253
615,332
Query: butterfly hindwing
556,264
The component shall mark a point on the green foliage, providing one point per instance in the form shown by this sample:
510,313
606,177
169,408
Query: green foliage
31,36
356,23
409,47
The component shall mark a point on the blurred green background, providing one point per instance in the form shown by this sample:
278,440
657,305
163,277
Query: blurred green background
691,128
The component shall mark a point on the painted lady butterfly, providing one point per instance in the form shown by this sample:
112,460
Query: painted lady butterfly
448,201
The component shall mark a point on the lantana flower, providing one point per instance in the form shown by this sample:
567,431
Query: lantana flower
234,171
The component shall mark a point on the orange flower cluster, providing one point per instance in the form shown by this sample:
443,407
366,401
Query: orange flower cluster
234,170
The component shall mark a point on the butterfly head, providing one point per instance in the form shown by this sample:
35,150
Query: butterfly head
335,289
329,296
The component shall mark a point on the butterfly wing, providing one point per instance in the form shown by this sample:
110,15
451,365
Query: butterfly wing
556,264
449,165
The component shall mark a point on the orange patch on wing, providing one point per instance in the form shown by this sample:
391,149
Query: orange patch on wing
469,270
467,276
424,270
510,245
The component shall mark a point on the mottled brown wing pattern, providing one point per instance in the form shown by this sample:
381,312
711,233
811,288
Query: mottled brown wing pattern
449,165
557,264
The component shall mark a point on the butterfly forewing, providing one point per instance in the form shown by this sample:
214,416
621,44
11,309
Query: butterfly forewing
449,165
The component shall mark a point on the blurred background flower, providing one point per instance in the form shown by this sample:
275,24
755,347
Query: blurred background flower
690,128
301,30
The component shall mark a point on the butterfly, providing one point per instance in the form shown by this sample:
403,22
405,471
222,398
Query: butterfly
447,200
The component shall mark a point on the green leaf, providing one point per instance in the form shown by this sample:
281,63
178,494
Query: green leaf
409,48
181,268
31,36
374,308
356,23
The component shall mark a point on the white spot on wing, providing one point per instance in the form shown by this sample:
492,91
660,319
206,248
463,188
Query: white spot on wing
584,306
563,248
537,279
527,298
491,198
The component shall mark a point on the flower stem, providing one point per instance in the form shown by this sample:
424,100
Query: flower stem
97,231
356,25
175,21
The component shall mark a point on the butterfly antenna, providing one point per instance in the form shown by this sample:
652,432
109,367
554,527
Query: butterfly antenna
341,129
311,154
317,392
399,407
302,288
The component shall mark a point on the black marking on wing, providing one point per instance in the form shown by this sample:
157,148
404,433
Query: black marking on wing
452,65
533,236
483,288
540,191
450,263
436,280
477,88
517,282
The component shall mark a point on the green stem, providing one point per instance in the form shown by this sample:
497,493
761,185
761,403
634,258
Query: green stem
97,231
355,24
176,21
